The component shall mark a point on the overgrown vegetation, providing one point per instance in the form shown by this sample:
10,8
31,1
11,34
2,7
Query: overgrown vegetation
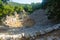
8,8
53,9
5,8
52,6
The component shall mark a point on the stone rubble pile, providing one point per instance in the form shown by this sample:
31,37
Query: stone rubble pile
11,37
18,20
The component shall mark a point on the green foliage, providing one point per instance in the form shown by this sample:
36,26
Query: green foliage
18,9
7,8
0,1
36,6
53,9
28,8
5,1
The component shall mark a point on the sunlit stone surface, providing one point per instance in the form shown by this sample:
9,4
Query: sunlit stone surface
13,37
18,20
13,21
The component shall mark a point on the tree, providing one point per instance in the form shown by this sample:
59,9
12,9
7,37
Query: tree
18,9
5,1
28,8
5,9
53,9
